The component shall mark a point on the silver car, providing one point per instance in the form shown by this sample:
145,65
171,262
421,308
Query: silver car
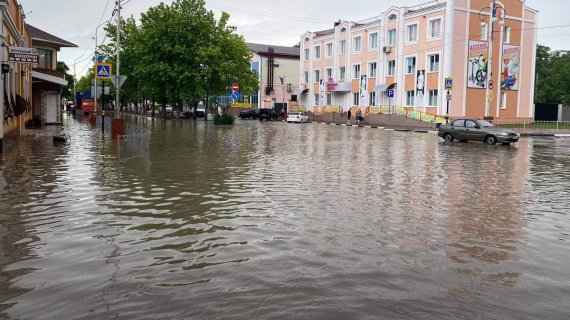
476,130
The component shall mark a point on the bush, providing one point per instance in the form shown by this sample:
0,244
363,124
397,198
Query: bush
225,118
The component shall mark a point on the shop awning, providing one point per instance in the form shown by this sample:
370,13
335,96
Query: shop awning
300,92
49,78
342,87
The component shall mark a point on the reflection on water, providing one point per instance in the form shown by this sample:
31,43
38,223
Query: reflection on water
269,220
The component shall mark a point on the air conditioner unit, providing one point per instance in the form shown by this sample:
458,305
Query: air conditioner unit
387,49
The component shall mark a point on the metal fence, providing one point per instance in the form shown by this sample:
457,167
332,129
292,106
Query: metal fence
533,126
134,144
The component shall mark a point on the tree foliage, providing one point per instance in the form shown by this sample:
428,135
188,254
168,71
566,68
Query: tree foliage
67,91
179,53
552,74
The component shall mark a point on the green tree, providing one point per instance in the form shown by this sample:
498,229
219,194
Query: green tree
67,91
552,74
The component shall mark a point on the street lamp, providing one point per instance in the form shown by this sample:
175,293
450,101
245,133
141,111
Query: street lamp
497,12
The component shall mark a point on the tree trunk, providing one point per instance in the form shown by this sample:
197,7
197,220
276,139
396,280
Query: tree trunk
206,107
152,106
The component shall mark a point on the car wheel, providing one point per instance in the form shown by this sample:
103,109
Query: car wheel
491,140
448,137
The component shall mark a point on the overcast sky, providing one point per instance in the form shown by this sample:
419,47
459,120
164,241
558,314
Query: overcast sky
276,22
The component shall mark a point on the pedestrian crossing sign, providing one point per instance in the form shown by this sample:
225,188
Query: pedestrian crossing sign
102,71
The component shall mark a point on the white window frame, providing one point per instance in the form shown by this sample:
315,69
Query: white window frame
503,100
372,98
507,34
388,68
307,54
342,74
429,33
410,97
428,62
354,77
317,49
315,78
408,25
327,53
484,32
342,47
354,43
329,99
395,37
327,75
356,98
370,75
317,96
370,42
435,97
306,77
415,64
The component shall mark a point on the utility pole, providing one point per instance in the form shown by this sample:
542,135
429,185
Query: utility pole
118,86
95,66
493,19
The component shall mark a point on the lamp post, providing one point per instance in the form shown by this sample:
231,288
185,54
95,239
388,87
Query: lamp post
496,12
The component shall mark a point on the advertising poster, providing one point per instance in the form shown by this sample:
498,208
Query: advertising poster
363,100
478,58
322,93
511,70
420,88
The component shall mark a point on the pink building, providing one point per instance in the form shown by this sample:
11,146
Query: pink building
414,51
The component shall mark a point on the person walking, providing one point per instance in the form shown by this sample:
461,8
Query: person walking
358,117
349,114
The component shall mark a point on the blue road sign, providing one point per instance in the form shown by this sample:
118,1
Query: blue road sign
103,71
390,93
448,83
235,95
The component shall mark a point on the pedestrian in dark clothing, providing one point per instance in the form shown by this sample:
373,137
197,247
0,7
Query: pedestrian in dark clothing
349,116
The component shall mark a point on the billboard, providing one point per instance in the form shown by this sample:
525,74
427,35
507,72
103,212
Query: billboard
478,59
23,55
420,88
363,99
511,70
322,93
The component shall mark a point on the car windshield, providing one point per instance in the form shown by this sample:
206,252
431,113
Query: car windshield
485,124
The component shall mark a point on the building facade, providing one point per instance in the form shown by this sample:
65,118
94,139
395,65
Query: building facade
417,52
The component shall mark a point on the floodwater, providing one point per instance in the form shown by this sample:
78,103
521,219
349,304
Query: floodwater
278,221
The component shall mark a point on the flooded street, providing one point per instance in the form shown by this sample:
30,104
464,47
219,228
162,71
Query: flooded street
284,221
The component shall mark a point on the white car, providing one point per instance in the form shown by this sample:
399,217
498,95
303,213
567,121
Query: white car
298,117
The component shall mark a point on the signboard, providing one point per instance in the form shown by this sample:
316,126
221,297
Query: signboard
331,85
477,62
363,99
420,88
121,81
23,55
322,93
235,95
448,83
390,93
491,96
102,71
510,73
235,87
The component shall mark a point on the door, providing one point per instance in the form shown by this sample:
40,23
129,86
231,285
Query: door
51,108
458,129
472,131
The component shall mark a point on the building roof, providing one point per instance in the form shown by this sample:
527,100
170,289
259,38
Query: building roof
263,49
42,36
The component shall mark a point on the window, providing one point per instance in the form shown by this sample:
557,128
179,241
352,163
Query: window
328,72
458,123
507,36
410,95
356,71
355,98
392,37
391,67
373,41
433,97
342,47
342,74
503,100
372,98
306,77
307,55
372,69
45,59
411,65
317,52
316,99
392,17
357,44
484,32
412,33
329,99
317,76
434,29
328,50
433,60
470,124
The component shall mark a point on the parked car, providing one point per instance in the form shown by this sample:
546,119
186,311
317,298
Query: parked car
298,117
476,130
249,114
269,115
